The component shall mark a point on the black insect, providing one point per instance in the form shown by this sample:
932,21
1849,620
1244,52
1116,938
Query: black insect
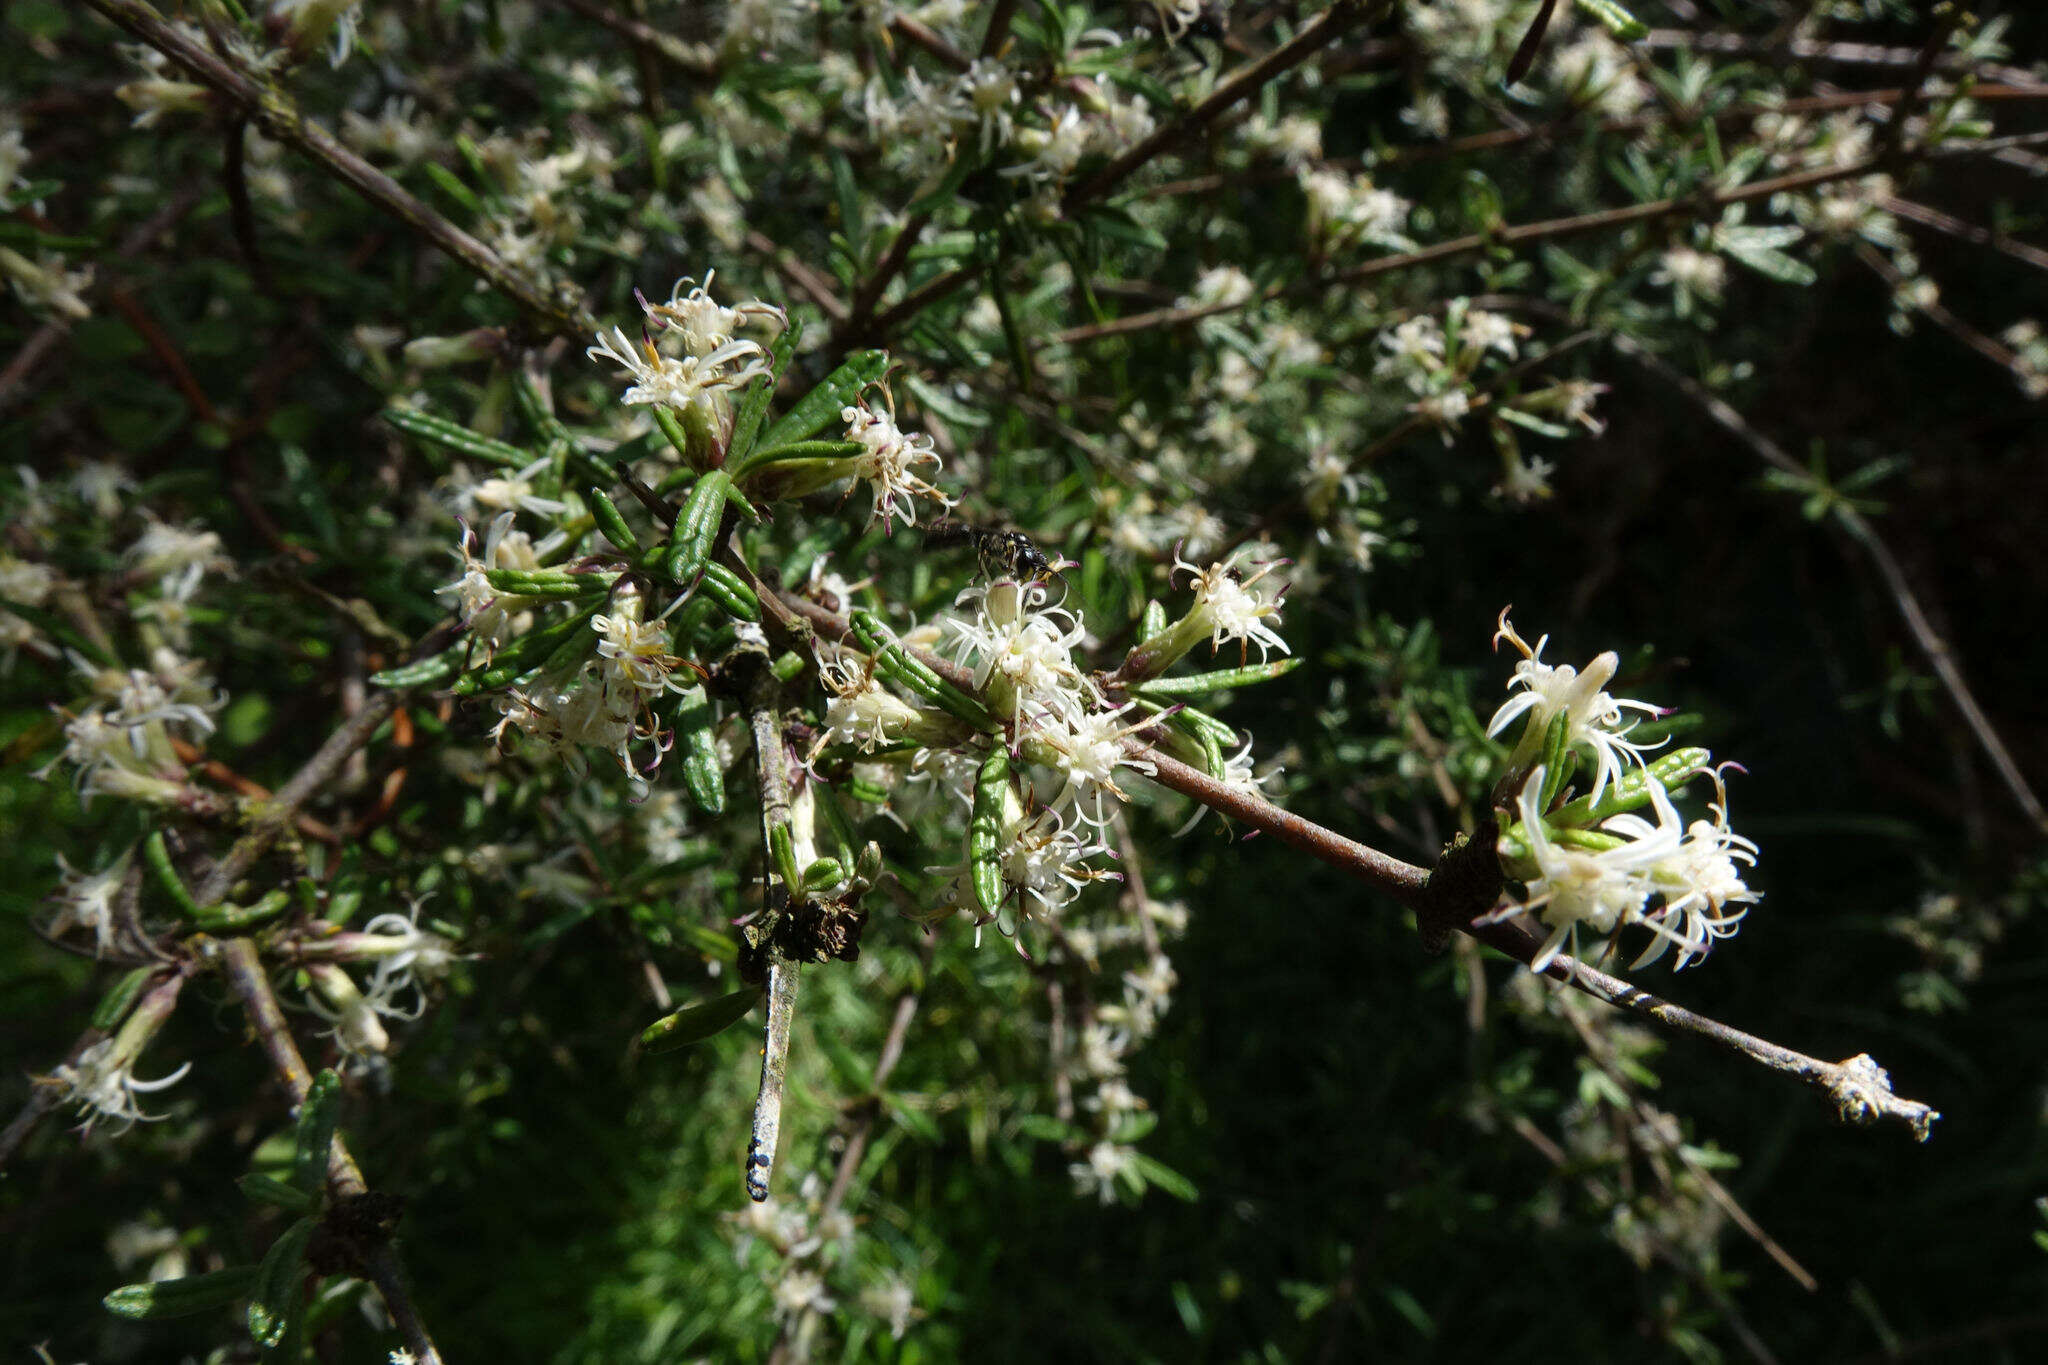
1003,554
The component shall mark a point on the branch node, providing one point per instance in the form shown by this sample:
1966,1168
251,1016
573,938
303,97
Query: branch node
1862,1093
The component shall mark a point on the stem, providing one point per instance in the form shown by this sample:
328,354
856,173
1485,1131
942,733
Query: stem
764,716
281,119
244,970
272,819
1319,33
645,38
1698,205
1859,1088
1936,649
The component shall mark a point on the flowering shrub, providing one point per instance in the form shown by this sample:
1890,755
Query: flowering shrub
435,661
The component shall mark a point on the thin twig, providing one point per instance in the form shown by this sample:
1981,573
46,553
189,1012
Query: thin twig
869,291
1936,649
911,31
771,762
1831,53
998,27
1858,1087
243,967
1696,205
272,818
282,120
45,338
1934,218
800,275
1940,315
42,1100
685,57
1601,1050
1245,82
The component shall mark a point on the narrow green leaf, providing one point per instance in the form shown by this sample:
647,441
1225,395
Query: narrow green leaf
180,1297
278,1284
1164,1177
753,407
820,407
314,1132
116,1003
1615,19
695,1023
266,1189
156,856
1193,684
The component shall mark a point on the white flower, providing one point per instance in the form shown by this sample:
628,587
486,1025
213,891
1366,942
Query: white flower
635,652
1601,890
1484,331
491,617
1098,1175
1021,649
1526,480
1225,286
103,1083
893,1301
706,325
1101,1051
1234,607
336,998
86,901
510,492
886,461
1054,151
1699,884
1344,210
1088,749
1044,863
1148,991
164,549
684,383
1414,351
25,582
1691,271
404,955
1443,410
800,1291
1547,691
988,90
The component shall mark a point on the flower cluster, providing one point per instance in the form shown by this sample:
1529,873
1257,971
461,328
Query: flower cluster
1591,862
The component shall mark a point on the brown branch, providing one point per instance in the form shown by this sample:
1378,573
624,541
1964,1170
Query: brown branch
1859,1089
282,120
44,339
247,977
1246,81
1935,648
1696,205
869,292
1414,426
1325,29
799,274
919,35
645,38
1601,1050
1939,314
213,770
1736,113
281,809
1830,53
998,27
1934,218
